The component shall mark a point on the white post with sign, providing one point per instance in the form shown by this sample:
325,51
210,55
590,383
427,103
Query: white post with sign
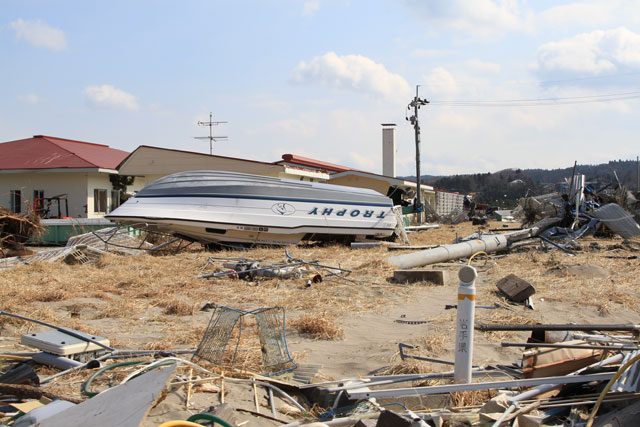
464,324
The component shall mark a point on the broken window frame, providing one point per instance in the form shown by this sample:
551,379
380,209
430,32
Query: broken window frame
16,201
115,200
100,200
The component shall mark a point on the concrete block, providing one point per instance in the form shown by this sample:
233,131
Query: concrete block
439,277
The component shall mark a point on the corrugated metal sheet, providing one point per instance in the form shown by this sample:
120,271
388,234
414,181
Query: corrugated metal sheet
617,220
629,381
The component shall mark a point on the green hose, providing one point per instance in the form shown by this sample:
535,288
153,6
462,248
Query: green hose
85,386
211,418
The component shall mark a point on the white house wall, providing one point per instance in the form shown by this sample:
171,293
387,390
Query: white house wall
97,181
53,184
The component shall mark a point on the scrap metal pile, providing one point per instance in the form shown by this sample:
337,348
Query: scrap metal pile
568,374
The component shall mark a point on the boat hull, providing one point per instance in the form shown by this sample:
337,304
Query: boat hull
211,206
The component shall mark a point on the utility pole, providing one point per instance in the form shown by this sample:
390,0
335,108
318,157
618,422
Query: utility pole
211,138
416,103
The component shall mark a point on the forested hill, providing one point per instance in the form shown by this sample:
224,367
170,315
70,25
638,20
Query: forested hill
505,187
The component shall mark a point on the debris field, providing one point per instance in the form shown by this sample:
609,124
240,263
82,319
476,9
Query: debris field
343,320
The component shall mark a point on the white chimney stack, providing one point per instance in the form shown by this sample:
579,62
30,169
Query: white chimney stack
389,149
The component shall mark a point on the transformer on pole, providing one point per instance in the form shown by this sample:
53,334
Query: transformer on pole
416,103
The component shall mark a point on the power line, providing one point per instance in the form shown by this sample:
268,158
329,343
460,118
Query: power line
535,102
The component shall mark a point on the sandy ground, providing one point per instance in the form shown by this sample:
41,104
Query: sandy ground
367,308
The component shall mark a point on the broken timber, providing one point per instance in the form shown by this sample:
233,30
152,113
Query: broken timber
515,288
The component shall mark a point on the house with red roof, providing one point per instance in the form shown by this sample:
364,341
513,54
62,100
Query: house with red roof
148,163
43,172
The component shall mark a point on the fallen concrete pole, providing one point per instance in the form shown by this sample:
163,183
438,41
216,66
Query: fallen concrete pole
492,243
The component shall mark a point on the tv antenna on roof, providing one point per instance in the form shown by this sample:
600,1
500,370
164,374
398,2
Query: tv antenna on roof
211,138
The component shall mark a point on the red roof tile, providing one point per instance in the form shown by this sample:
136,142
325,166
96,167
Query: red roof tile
47,152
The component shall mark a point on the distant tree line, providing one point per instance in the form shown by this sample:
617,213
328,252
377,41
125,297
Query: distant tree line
505,187
501,189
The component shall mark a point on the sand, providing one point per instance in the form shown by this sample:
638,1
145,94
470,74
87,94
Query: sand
154,303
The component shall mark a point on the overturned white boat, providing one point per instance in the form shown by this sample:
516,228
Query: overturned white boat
217,206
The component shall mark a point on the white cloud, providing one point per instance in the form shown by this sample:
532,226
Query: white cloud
483,18
310,7
592,53
353,72
109,96
30,98
39,34
430,53
592,13
482,66
365,162
440,82
305,126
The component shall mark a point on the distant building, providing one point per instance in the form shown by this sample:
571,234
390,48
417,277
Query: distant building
448,202
34,171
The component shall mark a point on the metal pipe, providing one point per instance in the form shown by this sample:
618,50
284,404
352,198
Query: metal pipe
504,415
552,243
559,345
76,368
440,389
58,362
271,402
490,243
556,327
405,378
403,355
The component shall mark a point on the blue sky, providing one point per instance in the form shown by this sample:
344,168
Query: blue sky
512,83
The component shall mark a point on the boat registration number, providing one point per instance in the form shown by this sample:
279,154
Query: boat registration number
249,228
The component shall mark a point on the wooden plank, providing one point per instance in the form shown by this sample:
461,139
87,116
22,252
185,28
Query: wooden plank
124,405
30,392
515,288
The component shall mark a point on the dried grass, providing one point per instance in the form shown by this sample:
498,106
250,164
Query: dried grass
318,326
175,307
407,366
471,398
156,297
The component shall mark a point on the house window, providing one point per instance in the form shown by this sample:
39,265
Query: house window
16,201
115,199
99,200
38,203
